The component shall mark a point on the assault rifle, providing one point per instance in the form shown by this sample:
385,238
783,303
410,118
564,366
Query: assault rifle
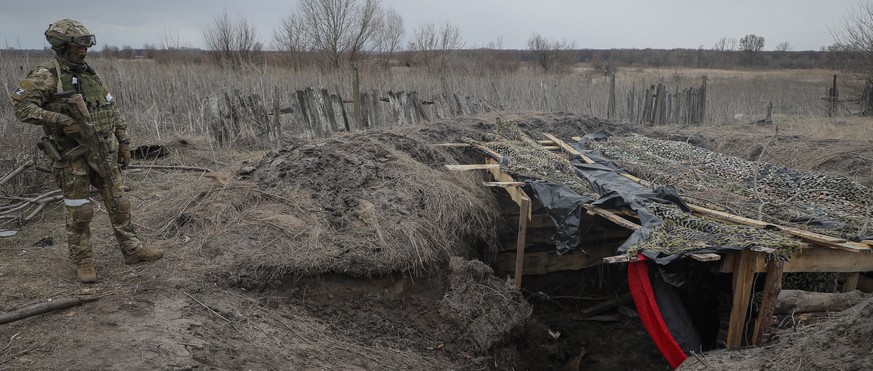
89,137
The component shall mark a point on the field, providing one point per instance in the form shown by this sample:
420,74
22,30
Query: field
358,251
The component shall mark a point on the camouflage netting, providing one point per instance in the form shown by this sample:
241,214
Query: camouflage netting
832,205
679,231
524,156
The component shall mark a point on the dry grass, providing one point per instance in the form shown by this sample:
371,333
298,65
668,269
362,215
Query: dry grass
163,101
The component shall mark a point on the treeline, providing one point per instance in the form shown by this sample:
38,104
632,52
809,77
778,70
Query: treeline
602,60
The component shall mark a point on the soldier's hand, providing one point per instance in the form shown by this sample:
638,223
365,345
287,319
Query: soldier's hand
71,127
124,156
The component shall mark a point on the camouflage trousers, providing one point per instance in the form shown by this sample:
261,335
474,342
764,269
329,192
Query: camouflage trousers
75,179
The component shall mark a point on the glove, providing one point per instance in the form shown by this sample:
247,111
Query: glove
71,127
124,156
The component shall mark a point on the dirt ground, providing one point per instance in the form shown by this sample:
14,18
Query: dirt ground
356,252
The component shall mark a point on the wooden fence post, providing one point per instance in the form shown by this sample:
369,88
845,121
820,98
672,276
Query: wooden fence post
610,107
356,100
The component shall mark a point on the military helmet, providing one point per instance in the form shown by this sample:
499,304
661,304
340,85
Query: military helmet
66,31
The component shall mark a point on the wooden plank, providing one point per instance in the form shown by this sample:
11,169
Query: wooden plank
472,167
620,259
772,287
609,215
723,216
742,284
514,192
503,184
524,209
707,257
850,281
543,262
567,148
545,142
816,259
867,242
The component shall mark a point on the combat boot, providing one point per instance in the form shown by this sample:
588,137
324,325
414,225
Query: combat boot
143,254
85,272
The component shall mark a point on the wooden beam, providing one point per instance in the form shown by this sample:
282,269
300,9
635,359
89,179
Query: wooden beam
539,263
817,238
814,259
522,231
551,148
472,167
772,287
742,284
707,257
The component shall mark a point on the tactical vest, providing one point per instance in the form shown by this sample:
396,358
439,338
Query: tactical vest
91,88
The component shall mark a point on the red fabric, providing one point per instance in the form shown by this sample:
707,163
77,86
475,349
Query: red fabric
644,298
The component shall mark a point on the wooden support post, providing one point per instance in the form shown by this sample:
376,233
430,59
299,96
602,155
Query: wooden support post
742,284
524,209
850,281
772,287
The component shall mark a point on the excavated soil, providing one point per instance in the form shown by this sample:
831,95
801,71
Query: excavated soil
353,252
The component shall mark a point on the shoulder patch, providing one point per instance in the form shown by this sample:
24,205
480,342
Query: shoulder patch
19,92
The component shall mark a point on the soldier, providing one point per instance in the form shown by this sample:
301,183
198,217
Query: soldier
77,165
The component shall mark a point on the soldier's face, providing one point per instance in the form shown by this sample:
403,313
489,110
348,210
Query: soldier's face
78,52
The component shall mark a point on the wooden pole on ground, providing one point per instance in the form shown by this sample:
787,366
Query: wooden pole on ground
41,308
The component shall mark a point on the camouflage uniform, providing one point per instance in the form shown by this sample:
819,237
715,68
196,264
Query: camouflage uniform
34,102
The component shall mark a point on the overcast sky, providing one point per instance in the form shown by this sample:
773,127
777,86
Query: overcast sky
600,24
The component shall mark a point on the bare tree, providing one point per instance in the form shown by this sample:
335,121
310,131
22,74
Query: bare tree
726,44
751,45
232,43
854,41
784,46
390,36
550,54
435,46
340,30
171,39
291,37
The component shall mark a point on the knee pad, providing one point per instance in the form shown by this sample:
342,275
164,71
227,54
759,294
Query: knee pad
121,210
84,213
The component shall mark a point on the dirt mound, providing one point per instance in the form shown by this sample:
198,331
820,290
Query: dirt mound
484,309
840,343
